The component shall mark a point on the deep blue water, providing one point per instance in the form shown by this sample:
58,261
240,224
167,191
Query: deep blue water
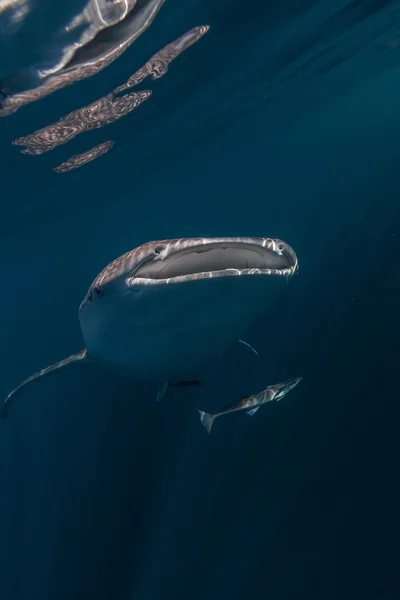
282,121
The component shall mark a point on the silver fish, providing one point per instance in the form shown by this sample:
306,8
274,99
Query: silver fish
272,392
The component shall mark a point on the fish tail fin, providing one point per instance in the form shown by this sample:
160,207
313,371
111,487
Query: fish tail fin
66,362
207,420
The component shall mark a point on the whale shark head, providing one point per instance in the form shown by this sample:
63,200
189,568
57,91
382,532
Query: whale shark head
167,308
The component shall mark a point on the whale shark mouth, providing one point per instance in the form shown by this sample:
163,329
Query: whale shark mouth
188,259
222,258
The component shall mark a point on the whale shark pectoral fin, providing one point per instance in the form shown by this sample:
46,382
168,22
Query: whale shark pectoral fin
253,411
79,357
163,385
161,389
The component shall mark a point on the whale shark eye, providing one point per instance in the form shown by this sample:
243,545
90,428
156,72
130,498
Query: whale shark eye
158,250
281,247
98,291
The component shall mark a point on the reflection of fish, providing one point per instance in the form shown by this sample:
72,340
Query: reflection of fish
102,112
273,392
165,310
109,108
78,160
105,110
157,66
99,19
92,57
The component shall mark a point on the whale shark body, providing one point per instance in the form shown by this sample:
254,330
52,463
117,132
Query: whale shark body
165,310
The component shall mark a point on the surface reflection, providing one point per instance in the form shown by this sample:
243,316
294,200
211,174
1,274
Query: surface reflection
102,112
109,108
95,50
79,160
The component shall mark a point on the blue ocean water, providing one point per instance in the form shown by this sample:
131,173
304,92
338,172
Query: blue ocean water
282,121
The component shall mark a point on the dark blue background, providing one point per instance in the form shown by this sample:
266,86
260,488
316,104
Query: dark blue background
282,121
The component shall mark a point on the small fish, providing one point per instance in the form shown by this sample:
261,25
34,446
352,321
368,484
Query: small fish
273,392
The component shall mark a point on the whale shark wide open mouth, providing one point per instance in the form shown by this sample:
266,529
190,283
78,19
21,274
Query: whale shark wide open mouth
225,257
189,259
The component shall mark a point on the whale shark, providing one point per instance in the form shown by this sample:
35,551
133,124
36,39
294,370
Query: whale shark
165,310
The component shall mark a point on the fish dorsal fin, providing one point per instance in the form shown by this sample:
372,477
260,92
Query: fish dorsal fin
81,357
